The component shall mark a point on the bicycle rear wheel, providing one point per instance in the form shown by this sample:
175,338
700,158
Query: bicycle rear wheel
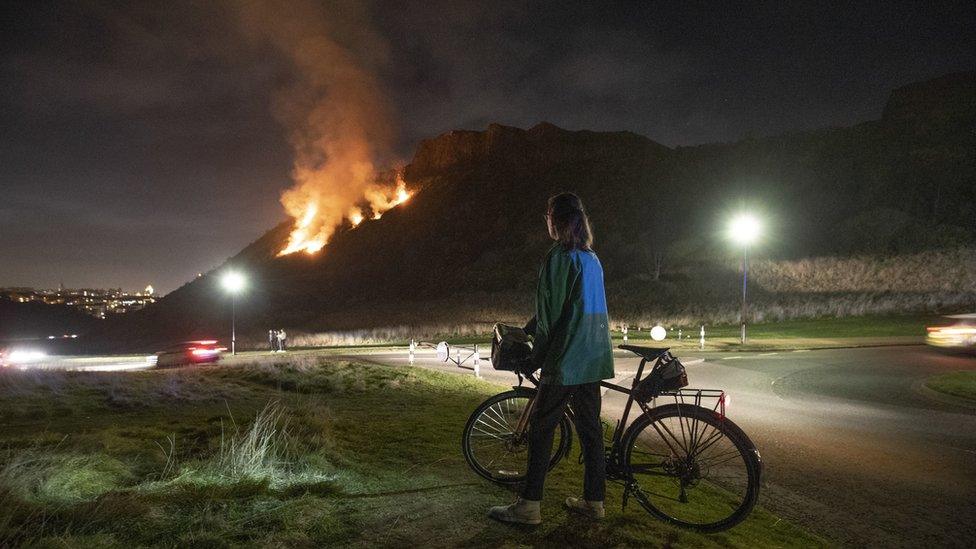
491,446
692,468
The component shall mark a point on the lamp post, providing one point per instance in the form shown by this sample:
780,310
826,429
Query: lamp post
233,282
744,230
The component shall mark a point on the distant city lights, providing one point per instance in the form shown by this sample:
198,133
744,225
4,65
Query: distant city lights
96,302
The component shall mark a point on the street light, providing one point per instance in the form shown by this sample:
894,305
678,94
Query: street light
233,282
744,229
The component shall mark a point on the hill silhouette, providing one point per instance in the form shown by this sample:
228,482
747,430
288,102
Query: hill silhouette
35,320
467,246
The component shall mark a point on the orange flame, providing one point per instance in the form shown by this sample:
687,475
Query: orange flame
307,234
300,240
356,217
402,194
381,200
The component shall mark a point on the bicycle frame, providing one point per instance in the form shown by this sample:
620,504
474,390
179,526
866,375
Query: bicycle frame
690,397
673,440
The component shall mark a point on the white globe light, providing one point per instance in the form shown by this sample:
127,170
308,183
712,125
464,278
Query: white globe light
233,281
744,229
443,351
658,333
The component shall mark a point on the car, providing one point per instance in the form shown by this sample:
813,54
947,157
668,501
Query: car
20,358
957,333
203,351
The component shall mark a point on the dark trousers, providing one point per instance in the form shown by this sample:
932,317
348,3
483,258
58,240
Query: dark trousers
550,404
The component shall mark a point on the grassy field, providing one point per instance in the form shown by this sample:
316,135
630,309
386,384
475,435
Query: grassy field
833,328
959,384
296,451
825,332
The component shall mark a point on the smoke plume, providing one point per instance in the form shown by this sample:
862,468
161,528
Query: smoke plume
339,123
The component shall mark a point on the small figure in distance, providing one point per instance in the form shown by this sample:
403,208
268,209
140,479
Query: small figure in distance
282,340
272,340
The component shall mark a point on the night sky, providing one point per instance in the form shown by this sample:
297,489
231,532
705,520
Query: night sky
139,142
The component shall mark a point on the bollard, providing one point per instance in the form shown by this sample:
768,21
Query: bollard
625,334
413,347
477,363
679,334
701,342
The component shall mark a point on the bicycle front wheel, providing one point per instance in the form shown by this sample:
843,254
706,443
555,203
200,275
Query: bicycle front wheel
493,449
692,468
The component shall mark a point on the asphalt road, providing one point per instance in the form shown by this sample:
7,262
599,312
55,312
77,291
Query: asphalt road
88,363
853,449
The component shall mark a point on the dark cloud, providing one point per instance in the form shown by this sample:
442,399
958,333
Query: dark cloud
139,142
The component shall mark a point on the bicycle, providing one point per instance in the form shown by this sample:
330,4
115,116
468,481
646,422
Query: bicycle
684,463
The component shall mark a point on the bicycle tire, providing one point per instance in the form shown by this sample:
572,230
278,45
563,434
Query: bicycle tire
659,492
561,446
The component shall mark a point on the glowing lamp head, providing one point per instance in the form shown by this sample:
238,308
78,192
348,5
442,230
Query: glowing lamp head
233,282
658,333
744,229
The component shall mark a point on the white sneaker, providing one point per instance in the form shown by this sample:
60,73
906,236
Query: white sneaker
523,511
592,509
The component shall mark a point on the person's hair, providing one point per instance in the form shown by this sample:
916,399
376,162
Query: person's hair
570,222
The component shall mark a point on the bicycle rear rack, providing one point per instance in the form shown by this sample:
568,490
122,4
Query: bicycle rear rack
694,397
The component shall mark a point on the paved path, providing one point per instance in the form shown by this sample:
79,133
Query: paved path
852,449
88,363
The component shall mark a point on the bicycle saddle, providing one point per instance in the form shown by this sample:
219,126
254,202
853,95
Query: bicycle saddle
647,353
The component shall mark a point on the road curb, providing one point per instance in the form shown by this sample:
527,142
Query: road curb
789,349
943,398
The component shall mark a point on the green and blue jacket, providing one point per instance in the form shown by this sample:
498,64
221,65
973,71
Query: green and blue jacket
572,335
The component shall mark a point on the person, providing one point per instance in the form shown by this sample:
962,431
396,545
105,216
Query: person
572,347
273,340
282,339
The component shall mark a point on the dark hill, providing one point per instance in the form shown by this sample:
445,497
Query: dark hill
35,320
467,245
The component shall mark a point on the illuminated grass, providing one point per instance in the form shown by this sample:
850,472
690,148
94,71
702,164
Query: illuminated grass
344,454
959,384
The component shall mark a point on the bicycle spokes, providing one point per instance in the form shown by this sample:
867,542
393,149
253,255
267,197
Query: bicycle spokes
494,441
687,467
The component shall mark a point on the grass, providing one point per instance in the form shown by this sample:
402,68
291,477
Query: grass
301,450
874,326
853,331
833,328
958,384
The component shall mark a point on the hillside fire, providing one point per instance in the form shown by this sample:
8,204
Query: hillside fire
312,231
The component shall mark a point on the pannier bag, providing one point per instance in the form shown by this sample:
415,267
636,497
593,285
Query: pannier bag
668,376
511,349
